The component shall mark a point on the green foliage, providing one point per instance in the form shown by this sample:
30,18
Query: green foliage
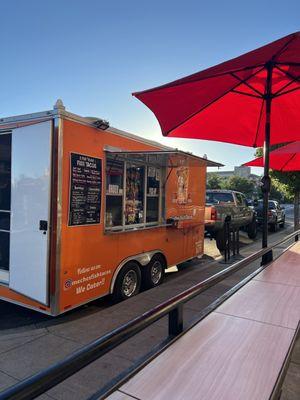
240,184
237,183
288,182
214,181
284,184
258,152
278,191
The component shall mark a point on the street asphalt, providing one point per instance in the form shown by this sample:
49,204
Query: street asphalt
30,341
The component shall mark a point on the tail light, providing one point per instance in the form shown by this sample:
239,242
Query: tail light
270,214
214,214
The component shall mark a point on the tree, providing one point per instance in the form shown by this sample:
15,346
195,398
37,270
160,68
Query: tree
288,183
240,184
278,190
214,181
291,182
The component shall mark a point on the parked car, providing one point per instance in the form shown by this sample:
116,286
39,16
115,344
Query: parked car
276,214
228,203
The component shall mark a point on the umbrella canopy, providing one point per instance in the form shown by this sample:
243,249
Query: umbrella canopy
227,102
231,102
286,158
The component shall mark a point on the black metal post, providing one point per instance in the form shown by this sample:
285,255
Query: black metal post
176,321
226,238
266,178
233,240
227,235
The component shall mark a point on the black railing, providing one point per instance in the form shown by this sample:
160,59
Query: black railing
46,379
231,239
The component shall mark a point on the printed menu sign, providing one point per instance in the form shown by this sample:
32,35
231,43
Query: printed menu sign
85,190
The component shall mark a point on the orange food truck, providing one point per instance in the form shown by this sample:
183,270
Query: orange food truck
87,210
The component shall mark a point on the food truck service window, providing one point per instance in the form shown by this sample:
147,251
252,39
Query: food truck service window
136,182
133,193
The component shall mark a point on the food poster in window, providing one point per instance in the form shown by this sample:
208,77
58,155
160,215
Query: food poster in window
134,208
114,192
153,181
153,192
182,185
185,194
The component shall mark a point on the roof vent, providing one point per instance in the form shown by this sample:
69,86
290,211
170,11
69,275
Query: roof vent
101,124
59,105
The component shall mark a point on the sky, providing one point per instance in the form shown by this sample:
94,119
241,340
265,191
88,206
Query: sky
93,54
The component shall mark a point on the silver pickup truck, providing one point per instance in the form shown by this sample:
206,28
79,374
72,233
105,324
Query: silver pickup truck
223,203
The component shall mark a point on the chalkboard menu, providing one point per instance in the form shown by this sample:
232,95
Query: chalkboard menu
85,190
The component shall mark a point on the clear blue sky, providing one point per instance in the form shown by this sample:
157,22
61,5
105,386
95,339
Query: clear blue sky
94,53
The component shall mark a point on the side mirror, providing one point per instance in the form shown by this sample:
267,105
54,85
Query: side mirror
255,203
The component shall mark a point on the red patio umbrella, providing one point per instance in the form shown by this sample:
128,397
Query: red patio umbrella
231,102
285,158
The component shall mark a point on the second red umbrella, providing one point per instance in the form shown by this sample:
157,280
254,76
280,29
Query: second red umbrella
285,158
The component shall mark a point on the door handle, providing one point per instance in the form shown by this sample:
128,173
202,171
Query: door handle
43,226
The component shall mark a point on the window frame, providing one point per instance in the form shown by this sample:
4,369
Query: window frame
219,201
161,198
4,273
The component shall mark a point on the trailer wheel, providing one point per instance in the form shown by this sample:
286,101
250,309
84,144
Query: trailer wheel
154,272
128,282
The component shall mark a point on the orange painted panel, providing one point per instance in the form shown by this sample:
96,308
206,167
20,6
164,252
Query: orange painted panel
89,257
14,297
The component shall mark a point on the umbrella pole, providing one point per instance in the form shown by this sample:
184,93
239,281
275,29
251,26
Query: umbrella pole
266,178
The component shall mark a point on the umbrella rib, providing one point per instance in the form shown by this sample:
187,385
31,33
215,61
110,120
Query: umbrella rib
287,91
289,75
176,83
209,104
245,94
244,81
293,79
279,91
289,160
283,47
288,63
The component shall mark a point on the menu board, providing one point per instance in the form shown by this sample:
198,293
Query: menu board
85,190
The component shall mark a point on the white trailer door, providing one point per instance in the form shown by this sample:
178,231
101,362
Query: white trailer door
30,196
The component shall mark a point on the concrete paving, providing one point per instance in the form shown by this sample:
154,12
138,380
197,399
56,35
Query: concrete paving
30,341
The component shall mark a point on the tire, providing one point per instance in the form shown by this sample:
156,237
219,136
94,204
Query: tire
220,240
252,229
154,272
282,223
128,282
